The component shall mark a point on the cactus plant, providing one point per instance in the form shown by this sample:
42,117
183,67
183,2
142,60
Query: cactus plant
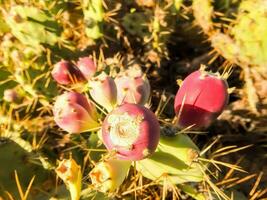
132,131
173,160
33,26
200,99
93,16
238,44
153,25
74,113
119,35
16,158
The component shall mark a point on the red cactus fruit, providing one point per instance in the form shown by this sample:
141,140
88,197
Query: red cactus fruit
103,90
200,99
74,113
132,86
132,131
65,73
87,67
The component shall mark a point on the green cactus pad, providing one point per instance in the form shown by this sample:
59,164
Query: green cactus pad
174,157
203,12
13,157
241,45
93,16
252,44
33,26
135,24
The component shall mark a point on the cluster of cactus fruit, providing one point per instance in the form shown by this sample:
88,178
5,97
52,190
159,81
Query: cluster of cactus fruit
130,131
47,76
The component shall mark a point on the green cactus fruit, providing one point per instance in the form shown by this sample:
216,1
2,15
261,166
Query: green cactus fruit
13,157
33,26
70,172
174,157
93,17
109,174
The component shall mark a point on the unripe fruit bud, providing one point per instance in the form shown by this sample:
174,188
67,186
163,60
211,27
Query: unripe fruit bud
132,86
103,90
70,172
132,131
74,113
108,175
65,73
87,67
200,99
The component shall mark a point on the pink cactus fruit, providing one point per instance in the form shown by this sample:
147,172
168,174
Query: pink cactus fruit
87,67
103,90
200,99
132,131
132,86
74,113
66,73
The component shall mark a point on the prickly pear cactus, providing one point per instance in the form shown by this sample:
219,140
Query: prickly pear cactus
16,158
93,16
152,25
32,26
80,112
238,44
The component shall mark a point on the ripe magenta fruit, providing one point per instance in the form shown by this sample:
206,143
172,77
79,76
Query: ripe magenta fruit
66,73
132,131
87,67
103,90
132,86
74,113
200,99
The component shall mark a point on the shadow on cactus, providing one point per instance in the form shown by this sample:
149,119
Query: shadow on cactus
16,158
